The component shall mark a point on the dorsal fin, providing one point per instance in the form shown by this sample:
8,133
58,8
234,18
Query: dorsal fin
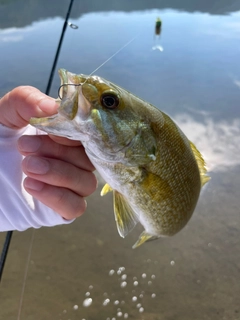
201,164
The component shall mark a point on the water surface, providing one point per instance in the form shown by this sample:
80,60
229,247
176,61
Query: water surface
196,80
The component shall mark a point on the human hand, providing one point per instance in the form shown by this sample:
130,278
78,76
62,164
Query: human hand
59,173
22,103
59,176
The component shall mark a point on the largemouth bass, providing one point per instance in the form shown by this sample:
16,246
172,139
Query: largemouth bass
153,170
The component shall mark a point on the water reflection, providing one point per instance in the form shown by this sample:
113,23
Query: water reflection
158,31
23,12
194,275
237,83
219,142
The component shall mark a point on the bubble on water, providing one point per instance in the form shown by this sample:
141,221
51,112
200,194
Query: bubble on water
105,294
87,294
120,270
172,263
106,302
124,277
125,315
135,283
149,283
119,314
144,275
123,284
153,295
138,305
122,302
134,298
64,311
153,276
116,302
141,296
75,307
134,278
111,272
108,319
141,309
87,302
90,287
113,318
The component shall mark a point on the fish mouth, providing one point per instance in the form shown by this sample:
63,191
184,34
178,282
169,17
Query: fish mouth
73,109
69,82
72,100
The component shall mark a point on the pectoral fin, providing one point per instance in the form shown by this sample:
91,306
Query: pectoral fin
125,217
106,188
144,236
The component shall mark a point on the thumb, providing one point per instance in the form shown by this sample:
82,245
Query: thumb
22,103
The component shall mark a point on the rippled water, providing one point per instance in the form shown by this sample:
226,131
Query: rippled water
85,270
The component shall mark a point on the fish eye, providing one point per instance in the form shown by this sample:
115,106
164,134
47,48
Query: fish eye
109,100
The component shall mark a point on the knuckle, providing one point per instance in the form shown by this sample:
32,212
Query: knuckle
72,205
87,184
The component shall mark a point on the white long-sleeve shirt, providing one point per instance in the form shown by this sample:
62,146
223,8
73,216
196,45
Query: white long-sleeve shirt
18,209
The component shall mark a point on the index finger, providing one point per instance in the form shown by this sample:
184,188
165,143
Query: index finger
22,103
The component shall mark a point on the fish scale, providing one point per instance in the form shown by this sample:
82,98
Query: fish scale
153,170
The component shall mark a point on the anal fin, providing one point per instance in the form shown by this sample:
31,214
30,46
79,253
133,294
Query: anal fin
144,237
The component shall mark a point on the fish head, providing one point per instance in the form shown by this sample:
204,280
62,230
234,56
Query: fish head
108,120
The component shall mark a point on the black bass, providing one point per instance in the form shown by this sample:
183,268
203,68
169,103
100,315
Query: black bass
153,170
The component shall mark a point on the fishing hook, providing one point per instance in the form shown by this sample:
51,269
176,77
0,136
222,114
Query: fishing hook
67,84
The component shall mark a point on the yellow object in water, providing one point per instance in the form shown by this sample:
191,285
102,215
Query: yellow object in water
153,170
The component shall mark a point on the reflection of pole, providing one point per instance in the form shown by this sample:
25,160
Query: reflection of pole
8,238
5,252
58,49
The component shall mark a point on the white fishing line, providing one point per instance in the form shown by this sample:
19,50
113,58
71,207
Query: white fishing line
25,275
113,55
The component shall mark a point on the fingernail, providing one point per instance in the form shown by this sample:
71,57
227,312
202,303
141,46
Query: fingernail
33,184
36,165
29,143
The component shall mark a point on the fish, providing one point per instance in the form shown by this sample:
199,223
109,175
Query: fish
154,172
